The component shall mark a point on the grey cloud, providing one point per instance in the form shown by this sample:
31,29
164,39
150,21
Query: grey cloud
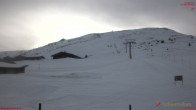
15,36
120,13
168,12
21,42
130,13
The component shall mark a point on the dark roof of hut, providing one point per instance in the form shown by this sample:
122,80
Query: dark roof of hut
3,64
65,54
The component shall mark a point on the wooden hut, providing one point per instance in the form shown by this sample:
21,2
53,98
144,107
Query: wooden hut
20,58
65,55
6,68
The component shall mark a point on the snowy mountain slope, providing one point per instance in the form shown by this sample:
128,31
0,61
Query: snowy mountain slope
112,42
108,79
104,83
11,53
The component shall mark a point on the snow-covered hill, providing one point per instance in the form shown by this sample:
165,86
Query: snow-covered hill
108,79
112,43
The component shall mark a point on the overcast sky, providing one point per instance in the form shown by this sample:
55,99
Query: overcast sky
27,24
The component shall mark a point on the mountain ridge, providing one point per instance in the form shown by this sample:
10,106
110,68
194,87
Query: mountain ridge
108,42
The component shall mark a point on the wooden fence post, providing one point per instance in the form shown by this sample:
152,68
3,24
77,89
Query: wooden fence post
40,106
129,107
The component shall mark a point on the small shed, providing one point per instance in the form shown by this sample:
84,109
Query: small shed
20,58
65,55
6,68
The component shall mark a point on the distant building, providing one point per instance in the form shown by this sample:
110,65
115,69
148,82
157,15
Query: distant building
20,58
7,61
64,55
7,68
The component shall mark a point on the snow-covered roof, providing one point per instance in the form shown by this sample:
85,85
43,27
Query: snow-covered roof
3,64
